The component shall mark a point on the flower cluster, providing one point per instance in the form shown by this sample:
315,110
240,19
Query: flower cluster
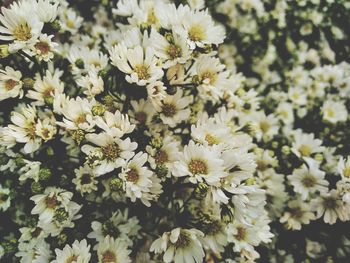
174,131
295,55
124,136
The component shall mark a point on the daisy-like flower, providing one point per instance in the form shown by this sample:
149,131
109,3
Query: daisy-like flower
43,48
34,252
165,155
285,112
10,83
136,178
110,153
44,89
142,112
171,48
23,129
77,113
19,25
115,125
140,65
331,207
343,167
334,111
200,29
5,199
308,179
175,109
85,181
78,252
298,213
47,203
242,236
180,246
305,144
70,20
211,77
112,250
119,225
200,163
91,83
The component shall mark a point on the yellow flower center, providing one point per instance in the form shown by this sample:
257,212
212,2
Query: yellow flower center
305,150
196,33
142,72
22,32
197,166
346,171
211,140
174,51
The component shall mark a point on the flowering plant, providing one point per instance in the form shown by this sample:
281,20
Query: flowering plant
147,131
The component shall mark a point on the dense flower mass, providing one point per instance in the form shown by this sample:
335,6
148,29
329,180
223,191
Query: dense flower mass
174,131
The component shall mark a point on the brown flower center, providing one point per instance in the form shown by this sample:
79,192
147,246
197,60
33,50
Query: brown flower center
132,176
111,151
51,202
174,51
43,47
10,84
161,157
241,233
168,109
108,257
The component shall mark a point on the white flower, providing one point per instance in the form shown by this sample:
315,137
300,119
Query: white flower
112,251
180,246
119,225
115,125
331,207
200,29
334,111
30,170
85,181
175,109
343,167
297,95
308,180
298,213
142,112
140,65
285,112
305,144
78,252
70,21
10,83
110,153
200,163
19,25
43,47
47,203
91,83
136,178
34,252
171,48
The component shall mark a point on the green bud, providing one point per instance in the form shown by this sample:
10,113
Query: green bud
49,100
10,246
44,174
116,184
28,83
61,214
156,142
103,73
19,161
108,100
50,151
161,171
195,79
79,63
250,181
99,109
208,49
4,51
104,2
201,190
286,149
241,92
169,37
62,239
78,135
36,188
319,157
56,25
274,144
